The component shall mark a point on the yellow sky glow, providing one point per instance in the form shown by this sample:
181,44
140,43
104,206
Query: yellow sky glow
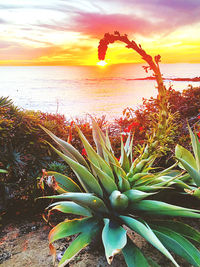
55,33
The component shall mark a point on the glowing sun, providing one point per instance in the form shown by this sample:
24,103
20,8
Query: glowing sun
101,63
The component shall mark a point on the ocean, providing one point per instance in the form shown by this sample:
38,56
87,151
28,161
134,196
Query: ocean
76,91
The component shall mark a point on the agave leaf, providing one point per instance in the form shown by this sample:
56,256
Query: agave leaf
137,195
182,153
87,180
195,175
146,232
65,183
101,138
178,244
67,148
77,245
123,184
149,188
70,207
133,255
124,161
87,200
180,228
107,182
127,144
130,151
71,227
108,143
181,184
94,157
96,138
145,180
169,171
118,170
195,146
137,176
114,239
162,208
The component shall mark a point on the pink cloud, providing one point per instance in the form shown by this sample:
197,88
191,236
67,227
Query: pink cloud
96,24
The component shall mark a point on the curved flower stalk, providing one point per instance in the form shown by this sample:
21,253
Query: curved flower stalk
191,164
105,199
165,119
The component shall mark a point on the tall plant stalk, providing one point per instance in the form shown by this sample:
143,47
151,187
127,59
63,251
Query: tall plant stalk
153,64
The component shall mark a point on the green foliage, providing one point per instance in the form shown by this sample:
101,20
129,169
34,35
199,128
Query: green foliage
57,167
191,163
109,200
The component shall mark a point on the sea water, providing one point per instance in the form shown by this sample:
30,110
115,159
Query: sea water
79,90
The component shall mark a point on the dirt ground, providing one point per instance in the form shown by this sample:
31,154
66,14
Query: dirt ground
24,243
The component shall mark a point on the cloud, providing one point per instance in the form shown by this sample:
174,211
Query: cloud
157,16
173,14
14,51
2,21
96,25
5,45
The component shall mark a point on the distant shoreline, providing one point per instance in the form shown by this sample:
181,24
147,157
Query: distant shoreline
195,79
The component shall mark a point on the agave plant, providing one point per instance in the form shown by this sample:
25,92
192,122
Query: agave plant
190,163
106,199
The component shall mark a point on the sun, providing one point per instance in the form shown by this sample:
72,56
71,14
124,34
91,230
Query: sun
102,63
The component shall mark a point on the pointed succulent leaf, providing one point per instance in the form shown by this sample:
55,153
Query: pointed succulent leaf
137,195
67,148
114,239
178,244
133,255
87,180
77,245
96,159
150,188
162,208
130,151
64,183
127,144
84,199
108,143
195,146
124,161
195,175
70,207
146,232
137,176
101,138
182,153
71,227
123,184
107,182
180,228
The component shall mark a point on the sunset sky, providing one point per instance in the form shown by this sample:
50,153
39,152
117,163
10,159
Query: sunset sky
67,32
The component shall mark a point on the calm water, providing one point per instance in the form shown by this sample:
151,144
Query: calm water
75,91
